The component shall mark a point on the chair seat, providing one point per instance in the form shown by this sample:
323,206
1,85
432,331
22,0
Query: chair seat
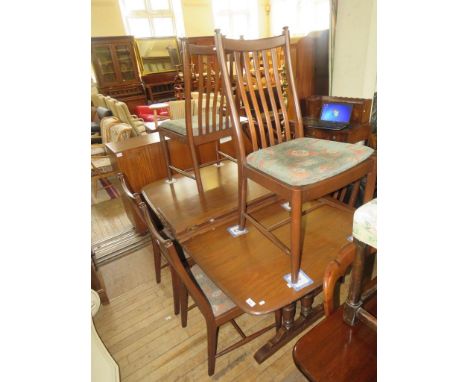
178,126
305,161
220,303
365,223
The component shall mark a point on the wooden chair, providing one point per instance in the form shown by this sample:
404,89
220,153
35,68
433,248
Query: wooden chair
137,124
333,351
215,306
111,131
136,199
297,169
211,122
334,272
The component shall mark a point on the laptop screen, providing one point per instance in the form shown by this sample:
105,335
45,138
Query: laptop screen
336,112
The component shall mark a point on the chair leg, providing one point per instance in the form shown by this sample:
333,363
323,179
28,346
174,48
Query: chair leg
183,304
175,290
157,261
167,156
296,235
196,169
242,199
218,148
212,336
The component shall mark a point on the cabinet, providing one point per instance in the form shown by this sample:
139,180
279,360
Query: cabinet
115,65
160,87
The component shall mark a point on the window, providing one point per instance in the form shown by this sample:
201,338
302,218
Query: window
236,18
152,18
301,16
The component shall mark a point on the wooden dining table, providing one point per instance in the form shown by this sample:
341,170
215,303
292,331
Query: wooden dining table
250,269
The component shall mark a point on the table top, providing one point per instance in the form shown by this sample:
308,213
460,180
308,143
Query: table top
186,211
334,351
132,143
250,268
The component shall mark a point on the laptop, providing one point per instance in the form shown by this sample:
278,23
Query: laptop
335,116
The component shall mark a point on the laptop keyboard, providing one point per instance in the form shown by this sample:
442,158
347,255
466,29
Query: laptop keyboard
331,126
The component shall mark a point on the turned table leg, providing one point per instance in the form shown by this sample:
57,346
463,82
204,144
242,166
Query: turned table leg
290,328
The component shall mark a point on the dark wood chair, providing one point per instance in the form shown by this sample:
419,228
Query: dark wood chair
215,306
206,119
333,351
136,199
297,169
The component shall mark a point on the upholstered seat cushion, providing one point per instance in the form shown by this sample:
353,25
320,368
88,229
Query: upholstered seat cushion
178,125
220,303
365,223
304,161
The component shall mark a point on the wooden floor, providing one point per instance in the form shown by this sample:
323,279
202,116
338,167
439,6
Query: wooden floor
108,217
148,343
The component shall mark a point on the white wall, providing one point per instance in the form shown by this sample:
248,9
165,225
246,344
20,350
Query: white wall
355,66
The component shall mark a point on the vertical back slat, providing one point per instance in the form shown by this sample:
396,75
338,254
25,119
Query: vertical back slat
251,89
240,84
266,63
266,110
207,93
221,101
200,93
284,112
217,80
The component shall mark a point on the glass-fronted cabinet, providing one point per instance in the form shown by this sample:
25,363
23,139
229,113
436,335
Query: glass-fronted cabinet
114,60
116,68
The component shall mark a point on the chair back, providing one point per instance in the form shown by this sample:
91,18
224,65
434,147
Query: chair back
176,259
105,125
265,87
124,114
177,109
120,132
333,272
110,102
203,90
136,199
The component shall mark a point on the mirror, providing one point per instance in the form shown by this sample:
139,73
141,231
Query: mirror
158,54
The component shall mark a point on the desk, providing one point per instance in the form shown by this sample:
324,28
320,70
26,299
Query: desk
336,352
359,129
356,132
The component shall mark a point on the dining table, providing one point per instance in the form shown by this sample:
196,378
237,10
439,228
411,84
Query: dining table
250,269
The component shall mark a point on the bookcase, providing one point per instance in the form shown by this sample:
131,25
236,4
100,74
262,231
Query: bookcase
117,74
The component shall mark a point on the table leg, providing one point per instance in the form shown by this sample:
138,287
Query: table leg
290,328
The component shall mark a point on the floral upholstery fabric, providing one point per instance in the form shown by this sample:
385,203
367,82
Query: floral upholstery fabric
120,132
220,303
178,125
365,223
305,161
